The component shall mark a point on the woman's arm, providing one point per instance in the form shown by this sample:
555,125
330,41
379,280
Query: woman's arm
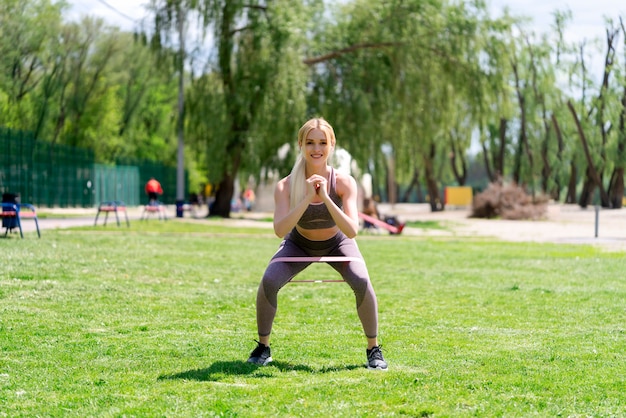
285,219
347,219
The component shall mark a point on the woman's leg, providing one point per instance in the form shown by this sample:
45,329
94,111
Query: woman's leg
277,275
356,275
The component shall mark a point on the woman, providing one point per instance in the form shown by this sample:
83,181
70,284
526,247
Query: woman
316,213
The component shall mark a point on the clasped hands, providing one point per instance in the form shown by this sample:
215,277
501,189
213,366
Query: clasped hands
316,185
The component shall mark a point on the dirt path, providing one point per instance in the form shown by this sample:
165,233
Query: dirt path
563,224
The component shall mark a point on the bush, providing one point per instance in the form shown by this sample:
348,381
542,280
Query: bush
508,202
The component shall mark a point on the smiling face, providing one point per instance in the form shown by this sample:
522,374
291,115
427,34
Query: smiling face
316,141
316,147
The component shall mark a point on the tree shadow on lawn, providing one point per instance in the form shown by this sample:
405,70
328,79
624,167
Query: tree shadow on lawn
221,369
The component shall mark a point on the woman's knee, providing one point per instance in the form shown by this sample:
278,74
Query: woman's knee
359,282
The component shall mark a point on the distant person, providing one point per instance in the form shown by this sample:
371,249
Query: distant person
370,208
153,190
195,201
248,199
316,214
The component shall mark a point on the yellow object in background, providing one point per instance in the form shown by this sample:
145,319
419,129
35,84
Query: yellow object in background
458,196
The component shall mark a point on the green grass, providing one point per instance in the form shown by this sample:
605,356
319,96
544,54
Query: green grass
42,214
158,320
426,225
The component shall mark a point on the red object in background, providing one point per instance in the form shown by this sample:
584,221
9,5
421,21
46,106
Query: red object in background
394,230
153,186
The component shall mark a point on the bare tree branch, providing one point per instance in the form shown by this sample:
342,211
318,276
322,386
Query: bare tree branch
347,50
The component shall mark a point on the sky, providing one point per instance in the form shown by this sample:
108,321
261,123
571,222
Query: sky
588,15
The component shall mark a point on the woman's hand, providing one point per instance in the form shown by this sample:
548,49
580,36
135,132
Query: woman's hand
317,185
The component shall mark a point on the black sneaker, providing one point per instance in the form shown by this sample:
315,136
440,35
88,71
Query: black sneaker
261,355
375,360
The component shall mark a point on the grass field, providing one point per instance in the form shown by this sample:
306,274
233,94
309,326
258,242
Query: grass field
159,319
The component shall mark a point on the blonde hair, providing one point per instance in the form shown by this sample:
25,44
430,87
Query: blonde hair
297,178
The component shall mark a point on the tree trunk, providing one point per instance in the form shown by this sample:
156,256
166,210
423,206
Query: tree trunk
517,164
223,197
226,187
523,136
414,183
556,193
436,204
616,189
592,173
392,195
488,169
571,184
586,195
502,150
459,174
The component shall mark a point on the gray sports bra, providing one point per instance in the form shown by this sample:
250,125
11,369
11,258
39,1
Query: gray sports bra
316,216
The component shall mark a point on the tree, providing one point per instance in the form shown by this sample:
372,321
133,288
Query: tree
418,85
252,83
28,30
595,142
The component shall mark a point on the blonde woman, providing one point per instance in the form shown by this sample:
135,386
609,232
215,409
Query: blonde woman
316,215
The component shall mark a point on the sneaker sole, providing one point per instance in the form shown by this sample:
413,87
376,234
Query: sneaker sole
377,368
265,363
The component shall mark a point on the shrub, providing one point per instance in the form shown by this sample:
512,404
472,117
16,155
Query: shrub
508,201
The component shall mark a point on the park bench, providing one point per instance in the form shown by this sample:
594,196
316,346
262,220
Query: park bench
114,206
13,213
154,208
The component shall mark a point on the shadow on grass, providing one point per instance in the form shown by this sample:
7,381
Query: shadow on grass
221,369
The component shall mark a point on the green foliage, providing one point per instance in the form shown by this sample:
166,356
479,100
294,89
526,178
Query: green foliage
82,84
424,78
159,319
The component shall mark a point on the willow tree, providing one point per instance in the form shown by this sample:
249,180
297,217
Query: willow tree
247,97
412,91
596,117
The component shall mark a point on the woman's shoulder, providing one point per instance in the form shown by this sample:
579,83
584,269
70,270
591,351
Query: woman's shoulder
344,180
343,176
283,183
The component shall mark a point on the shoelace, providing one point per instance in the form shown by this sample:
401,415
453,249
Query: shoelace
376,354
260,348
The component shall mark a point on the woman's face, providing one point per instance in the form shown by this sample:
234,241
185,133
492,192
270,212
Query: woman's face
316,148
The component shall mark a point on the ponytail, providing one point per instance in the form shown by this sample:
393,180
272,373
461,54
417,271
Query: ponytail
297,182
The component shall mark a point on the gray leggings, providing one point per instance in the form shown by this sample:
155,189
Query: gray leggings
278,274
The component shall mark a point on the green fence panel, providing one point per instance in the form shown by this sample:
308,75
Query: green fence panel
42,173
54,175
117,183
166,175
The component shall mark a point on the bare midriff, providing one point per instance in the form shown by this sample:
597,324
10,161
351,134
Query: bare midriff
318,234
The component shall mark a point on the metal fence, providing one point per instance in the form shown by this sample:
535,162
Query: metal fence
50,175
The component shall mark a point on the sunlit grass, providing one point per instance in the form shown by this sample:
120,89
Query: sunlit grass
159,318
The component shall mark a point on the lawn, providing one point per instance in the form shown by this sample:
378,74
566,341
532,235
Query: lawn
159,319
